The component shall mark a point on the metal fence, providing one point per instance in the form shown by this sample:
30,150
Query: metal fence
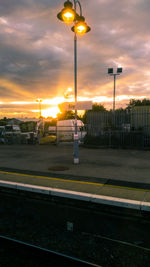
24,138
65,133
120,129
125,129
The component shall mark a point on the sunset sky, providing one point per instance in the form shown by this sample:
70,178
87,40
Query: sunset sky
36,54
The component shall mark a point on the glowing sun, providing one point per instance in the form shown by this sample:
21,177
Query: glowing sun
50,112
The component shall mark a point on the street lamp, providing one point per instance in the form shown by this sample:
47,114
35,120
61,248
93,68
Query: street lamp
110,72
40,108
69,15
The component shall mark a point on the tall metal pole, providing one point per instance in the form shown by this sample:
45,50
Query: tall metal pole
81,21
76,144
110,72
114,92
39,109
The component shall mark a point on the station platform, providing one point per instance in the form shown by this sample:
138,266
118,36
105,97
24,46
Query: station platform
103,191
113,177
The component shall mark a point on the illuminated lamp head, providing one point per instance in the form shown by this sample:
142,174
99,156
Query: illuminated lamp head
67,14
81,27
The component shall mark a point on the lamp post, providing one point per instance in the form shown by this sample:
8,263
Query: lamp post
69,15
110,72
39,101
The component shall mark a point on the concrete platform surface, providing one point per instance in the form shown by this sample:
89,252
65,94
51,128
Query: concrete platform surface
108,172
117,164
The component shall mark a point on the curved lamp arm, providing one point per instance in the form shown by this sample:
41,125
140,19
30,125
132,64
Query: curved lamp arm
75,6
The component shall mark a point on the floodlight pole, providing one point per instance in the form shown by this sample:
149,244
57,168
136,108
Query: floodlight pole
110,72
114,92
114,95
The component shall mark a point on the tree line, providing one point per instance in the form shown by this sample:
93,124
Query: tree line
100,107
97,107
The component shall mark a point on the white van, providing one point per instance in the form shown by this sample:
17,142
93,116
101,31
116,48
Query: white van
12,129
66,129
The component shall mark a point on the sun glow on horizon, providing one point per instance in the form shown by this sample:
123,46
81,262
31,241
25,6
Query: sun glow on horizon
53,101
49,107
50,112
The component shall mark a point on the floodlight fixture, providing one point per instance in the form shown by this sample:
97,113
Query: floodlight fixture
119,70
110,70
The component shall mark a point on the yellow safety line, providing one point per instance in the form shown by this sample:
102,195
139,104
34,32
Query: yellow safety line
49,178
126,187
72,181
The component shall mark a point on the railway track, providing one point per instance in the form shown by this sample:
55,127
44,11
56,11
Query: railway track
16,253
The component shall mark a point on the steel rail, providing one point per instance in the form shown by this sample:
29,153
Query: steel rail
53,255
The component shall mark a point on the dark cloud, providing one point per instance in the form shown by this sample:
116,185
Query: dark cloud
36,50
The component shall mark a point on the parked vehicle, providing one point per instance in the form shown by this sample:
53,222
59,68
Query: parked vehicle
2,134
12,129
66,129
13,134
52,130
29,138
